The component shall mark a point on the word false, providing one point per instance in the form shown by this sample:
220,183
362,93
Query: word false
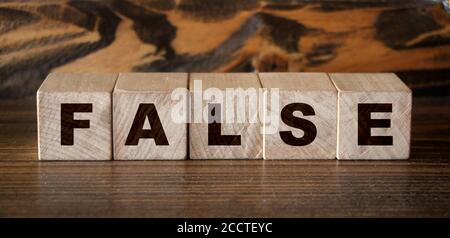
177,116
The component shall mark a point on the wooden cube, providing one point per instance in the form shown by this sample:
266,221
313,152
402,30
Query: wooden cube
145,127
374,116
214,132
301,124
74,116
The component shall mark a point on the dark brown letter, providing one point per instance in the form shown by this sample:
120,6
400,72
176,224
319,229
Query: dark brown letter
156,132
68,124
309,129
365,123
215,136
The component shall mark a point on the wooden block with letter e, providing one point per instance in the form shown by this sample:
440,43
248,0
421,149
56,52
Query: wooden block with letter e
301,124
374,116
224,116
150,113
74,116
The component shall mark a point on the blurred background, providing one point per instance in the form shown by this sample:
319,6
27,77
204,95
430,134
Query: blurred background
408,37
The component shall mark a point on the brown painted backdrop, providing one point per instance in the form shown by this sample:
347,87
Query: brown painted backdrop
409,37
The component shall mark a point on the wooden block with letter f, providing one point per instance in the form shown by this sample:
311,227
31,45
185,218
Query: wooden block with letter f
374,116
224,116
150,113
74,116
301,122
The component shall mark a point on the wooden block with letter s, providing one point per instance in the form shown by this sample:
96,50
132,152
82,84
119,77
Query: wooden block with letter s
218,128
374,116
74,116
150,114
303,124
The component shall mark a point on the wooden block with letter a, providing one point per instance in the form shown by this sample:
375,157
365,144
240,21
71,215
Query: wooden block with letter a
374,116
301,124
150,114
74,116
224,120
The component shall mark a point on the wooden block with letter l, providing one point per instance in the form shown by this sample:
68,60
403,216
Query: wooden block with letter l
224,116
301,124
74,116
150,113
374,116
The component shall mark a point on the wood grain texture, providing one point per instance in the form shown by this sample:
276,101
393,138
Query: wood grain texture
38,37
134,89
362,89
418,187
90,142
248,130
317,91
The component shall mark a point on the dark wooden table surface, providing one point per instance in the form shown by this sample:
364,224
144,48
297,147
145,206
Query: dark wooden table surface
419,187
